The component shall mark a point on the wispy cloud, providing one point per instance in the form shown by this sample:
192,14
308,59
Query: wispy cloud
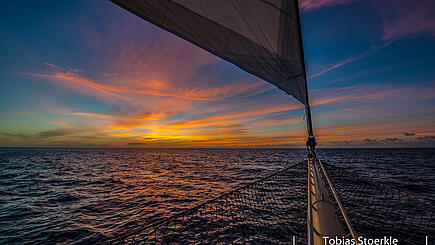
385,131
59,132
338,65
406,18
401,19
242,126
372,94
151,87
126,121
307,5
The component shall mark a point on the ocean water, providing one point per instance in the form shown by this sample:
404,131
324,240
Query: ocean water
76,196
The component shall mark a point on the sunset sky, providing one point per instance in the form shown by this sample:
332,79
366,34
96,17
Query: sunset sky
91,74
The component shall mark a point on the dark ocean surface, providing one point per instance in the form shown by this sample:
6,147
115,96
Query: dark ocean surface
75,196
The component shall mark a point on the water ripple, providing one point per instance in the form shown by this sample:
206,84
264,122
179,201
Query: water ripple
76,196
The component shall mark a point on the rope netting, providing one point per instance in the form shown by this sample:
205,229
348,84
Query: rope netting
377,210
273,210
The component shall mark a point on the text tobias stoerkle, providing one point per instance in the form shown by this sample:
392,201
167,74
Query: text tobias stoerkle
361,241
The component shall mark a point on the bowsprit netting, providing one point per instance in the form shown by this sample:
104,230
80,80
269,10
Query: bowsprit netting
270,210
377,210
273,210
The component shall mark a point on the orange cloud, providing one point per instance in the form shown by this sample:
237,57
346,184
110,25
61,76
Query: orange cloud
376,128
92,114
155,88
243,126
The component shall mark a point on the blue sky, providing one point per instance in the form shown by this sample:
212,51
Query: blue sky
90,74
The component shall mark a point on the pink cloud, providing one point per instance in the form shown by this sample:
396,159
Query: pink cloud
151,87
307,5
372,94
403,18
